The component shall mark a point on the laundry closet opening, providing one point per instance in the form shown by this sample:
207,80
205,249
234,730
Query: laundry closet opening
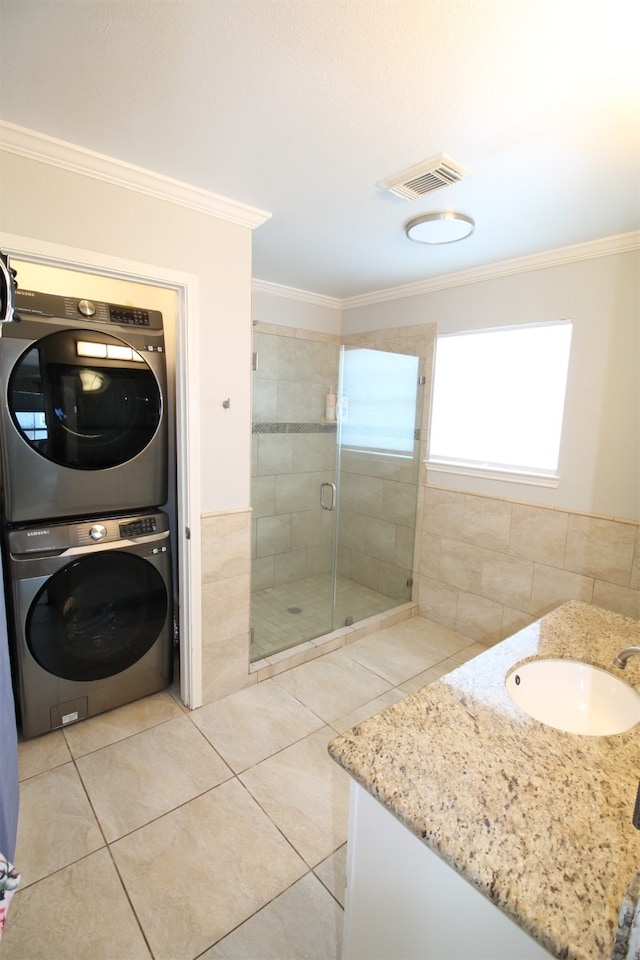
104,423
334,481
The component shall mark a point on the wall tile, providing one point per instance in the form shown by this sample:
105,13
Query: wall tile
226,549
275,454
288,567
311,528
552,586
437,601
601,548
538,534
461,564
478,618
225,609
506,579
263,496
619,599
443,513
399,502
429,555
379,539
635,567
225,668
298,491
262,573
264,400
486,522
514,620
405,540
274,535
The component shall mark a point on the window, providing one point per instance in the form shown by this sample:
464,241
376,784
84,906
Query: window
498,400
378,409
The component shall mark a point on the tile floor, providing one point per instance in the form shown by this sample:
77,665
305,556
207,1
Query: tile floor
293,612
152,831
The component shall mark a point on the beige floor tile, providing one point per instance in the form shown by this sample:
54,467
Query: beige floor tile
42,754
333,873
141,778
468,653
306,795
304,922
443,667
333,685
118,724
367,710
399,653
56,824
82,912
433,673
248,726
200,871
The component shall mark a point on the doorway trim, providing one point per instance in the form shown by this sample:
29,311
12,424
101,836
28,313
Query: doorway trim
188,498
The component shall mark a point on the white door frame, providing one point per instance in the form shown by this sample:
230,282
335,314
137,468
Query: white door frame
186,286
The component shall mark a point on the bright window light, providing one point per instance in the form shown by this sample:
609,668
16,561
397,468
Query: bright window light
498,398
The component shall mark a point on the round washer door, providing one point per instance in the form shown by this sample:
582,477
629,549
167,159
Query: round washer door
84,400
97,616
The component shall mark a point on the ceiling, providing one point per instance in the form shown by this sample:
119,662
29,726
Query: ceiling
299,107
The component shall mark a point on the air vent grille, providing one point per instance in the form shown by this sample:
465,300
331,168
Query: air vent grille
424,177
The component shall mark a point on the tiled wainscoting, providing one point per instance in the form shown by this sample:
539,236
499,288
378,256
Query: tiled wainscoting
488,567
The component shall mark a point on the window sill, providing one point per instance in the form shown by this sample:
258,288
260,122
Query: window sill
494,473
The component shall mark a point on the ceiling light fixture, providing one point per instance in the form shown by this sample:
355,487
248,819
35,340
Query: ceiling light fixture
442,227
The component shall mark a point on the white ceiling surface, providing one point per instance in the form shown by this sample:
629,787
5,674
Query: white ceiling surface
299,107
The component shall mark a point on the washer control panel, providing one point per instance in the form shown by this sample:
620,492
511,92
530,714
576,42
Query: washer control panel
141,527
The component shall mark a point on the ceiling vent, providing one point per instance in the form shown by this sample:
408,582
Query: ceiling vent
431,174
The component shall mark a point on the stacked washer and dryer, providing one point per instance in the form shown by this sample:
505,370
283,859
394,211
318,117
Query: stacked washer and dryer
86,549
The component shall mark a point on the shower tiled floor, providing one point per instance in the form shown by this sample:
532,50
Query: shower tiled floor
156,832
293,612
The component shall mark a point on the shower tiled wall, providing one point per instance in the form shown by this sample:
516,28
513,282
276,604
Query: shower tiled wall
488,567
293,454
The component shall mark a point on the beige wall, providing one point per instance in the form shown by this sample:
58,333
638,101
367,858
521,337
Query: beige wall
600,456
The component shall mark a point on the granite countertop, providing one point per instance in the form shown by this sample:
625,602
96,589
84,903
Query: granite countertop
537,819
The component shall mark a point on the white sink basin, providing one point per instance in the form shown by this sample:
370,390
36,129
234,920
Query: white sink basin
574,697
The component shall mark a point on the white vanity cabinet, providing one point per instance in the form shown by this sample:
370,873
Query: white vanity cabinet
404,902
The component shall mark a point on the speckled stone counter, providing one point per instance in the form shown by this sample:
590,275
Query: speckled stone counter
537,819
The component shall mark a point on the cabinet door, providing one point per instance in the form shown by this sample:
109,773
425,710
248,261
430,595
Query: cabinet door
404,902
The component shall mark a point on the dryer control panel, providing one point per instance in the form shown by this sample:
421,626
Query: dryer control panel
36,304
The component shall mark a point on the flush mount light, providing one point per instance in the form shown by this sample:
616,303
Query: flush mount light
442,227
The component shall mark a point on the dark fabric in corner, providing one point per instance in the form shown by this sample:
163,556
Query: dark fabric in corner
8,746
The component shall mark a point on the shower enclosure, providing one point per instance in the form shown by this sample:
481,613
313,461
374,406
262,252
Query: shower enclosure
334,501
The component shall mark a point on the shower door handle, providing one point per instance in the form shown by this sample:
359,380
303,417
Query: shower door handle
323,503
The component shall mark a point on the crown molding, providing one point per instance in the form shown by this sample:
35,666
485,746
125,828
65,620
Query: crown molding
622,243
291,293
88,163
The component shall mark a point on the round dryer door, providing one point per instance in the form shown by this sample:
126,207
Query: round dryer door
97,616
84,400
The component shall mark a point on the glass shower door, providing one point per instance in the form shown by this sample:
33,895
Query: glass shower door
293,476
380,414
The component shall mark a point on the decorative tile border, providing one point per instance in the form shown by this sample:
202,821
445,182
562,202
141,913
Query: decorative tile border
311,428
294,427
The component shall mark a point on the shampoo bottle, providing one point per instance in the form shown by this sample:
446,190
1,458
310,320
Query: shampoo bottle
330,405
